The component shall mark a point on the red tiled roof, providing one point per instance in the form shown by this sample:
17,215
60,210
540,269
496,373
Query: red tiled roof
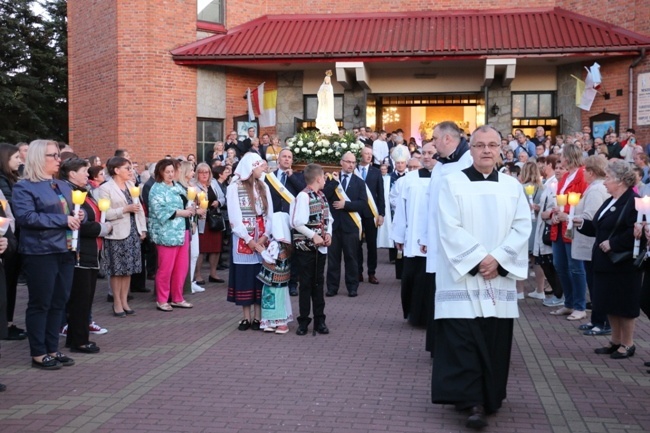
411,35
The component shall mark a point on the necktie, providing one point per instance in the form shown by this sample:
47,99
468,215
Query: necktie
344,183
363,173
283,178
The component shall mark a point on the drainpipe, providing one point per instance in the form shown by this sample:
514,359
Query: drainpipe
635,62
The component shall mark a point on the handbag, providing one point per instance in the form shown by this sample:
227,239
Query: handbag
546,234
215,220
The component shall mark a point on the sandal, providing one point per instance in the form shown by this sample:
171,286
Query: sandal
182,304
282,329
64,360
164,307
244,325
47,363
577,315
598,331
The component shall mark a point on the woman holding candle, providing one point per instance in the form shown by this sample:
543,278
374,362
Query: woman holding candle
186,181
169,228
43,212
531,178
75,172
582,246
210,241
617,286
9,163
122,245
571,271
249,210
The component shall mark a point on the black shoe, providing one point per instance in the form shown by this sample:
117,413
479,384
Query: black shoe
646,364
322,329
3,387
215,280
200,282
255,326
353,294
120,314
329,294
90,347
607,350
15,333
244,325
372,279
302,330
129,312
477,418
47,363
629,352
141,290
586,326
64,360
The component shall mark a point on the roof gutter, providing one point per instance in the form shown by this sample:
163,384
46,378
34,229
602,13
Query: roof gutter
630,101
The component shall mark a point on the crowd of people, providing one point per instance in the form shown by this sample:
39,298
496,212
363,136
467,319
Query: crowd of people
282,233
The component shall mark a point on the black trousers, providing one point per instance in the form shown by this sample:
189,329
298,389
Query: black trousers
552,277
49,279
13,267
416,291
139,280
344,245
311,275
370,231
80,303
598,317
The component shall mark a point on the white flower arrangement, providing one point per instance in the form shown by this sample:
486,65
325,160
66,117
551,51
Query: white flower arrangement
311,146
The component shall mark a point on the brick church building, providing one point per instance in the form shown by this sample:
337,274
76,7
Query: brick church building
170,76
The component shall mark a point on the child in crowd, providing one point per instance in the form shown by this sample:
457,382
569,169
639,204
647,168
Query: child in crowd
312,234
275,275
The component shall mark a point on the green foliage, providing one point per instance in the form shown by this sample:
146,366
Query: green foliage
311,146
33,70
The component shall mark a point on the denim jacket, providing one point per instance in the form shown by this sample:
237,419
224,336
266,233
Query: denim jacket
40,217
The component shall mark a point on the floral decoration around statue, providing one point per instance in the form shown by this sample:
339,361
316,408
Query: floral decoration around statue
312,146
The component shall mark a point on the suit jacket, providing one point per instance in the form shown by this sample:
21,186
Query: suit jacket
621,238
376,186
295,183
356,192
120,220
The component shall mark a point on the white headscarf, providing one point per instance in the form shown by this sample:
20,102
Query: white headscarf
247,164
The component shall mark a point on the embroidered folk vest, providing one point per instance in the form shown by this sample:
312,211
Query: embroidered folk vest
319,215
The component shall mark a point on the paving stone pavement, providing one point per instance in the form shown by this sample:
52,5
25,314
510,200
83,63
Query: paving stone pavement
193,371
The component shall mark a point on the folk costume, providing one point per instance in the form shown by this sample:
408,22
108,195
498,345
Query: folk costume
248,221
275,273
310,216
410,219
480,215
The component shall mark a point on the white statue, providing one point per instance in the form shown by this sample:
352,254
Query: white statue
325,121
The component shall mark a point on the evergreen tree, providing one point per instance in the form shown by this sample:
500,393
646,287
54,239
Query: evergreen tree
33,70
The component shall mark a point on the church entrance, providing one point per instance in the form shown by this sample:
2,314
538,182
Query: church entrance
417,115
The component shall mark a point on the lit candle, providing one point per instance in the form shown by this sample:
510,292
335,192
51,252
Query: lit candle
78,198
4,205
4,225
203,204
646,207
561,200
201,196
104,204
135,194
191,193
641,209
573,199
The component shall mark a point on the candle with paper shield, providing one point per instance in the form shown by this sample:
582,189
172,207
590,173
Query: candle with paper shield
3,203
4,225
561,199
135,194
639,205
203,204
573,200
78,198
530,190
201,196
104,205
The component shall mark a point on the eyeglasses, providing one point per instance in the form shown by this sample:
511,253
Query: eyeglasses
483,146
54,155
127,168
203,172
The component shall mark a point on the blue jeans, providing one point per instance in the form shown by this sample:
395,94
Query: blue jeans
572,276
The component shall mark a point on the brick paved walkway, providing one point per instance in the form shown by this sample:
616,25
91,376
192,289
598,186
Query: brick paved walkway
192,371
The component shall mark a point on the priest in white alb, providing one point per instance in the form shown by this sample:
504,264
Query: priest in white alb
408,223
484,225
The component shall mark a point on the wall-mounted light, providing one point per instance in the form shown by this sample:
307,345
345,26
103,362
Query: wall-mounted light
356,110
495,109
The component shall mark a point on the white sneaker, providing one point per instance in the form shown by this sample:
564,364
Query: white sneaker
536,295
521,295
63,332
553,301
196,288
94,328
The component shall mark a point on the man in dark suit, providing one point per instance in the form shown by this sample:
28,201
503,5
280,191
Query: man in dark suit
285,185
232,143
245,145
372,177
346,232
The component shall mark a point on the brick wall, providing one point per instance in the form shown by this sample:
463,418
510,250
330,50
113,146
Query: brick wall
630,14
237,81
126,92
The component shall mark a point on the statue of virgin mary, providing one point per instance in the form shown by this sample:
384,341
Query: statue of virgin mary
325,121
